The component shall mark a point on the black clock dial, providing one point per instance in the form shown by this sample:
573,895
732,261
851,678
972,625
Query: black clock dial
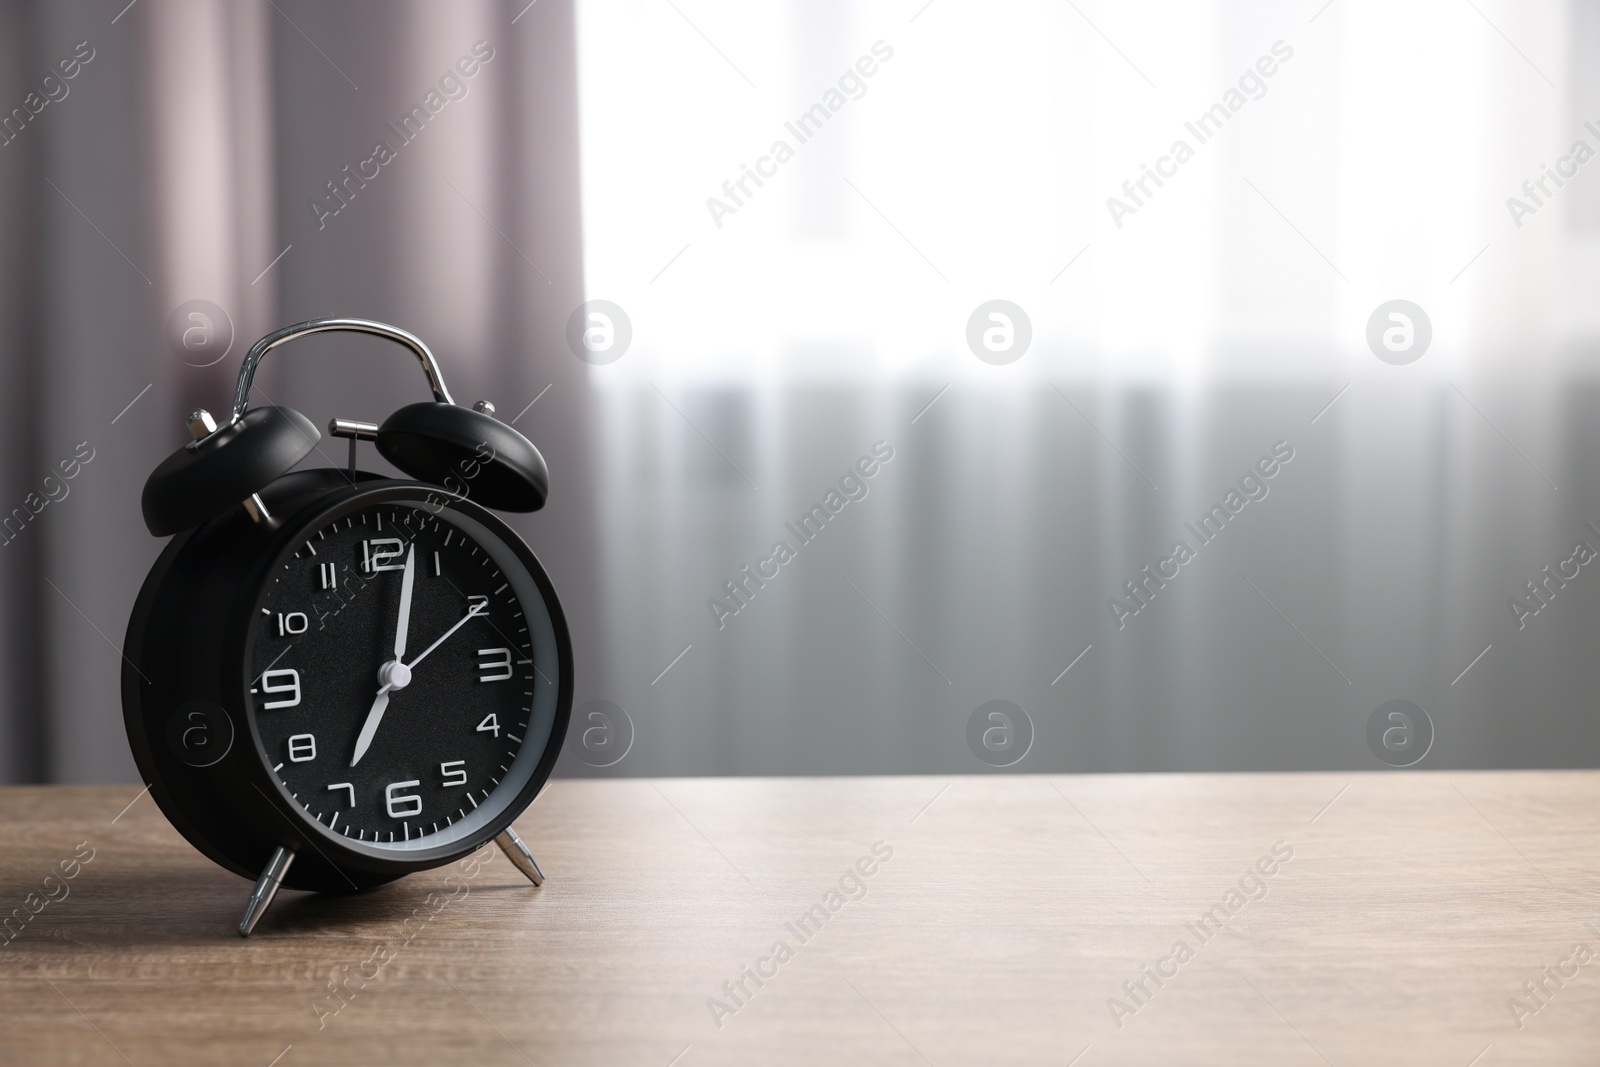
393,676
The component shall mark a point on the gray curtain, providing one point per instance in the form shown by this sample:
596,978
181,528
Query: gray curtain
225,152
181,162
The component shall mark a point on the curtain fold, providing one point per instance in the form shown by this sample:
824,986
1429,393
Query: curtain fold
181,166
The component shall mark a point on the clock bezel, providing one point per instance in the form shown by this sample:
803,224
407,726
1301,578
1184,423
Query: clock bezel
301,526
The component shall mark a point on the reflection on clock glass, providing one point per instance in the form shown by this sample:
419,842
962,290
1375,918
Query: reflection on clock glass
393,674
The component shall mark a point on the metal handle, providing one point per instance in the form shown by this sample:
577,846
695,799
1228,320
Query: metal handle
258,351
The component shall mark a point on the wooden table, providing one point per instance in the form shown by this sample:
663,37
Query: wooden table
1002,915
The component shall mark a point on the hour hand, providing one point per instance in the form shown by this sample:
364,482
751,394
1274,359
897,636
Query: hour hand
392,676
369,729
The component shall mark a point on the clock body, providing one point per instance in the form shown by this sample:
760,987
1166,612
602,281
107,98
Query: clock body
254,666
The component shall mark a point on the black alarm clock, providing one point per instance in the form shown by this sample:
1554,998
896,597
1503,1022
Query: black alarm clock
332,678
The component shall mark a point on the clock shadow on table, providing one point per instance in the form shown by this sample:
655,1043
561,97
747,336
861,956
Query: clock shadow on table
392,912
385,906
130,907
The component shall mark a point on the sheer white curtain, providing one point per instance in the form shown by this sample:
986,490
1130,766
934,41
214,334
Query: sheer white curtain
1336,156
1374,159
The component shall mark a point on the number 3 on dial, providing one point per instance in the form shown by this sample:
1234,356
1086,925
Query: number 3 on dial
494,664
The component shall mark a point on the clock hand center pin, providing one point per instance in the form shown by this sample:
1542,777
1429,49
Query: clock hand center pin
393,675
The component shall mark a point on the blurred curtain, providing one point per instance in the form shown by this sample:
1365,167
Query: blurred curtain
774,345
181,163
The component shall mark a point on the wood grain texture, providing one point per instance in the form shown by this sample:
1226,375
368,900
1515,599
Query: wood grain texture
1414,907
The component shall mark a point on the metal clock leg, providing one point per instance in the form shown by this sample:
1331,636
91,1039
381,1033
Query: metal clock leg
519,855
266,888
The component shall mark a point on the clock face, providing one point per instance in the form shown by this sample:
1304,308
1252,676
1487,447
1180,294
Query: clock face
402,675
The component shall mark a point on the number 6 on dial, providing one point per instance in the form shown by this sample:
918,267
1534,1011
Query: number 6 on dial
402,805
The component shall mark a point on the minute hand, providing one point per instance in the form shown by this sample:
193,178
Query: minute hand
403,625
476,608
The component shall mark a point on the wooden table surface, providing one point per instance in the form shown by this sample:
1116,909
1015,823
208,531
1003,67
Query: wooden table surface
1398,921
